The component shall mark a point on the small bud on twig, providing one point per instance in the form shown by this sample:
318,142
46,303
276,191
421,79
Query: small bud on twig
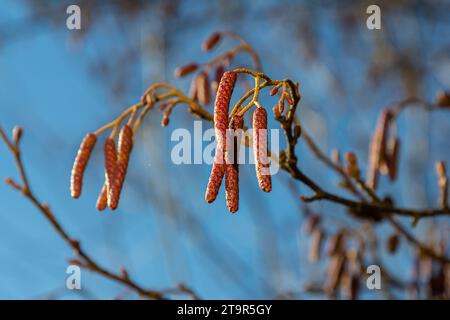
443,99
211,41
185,70
17,135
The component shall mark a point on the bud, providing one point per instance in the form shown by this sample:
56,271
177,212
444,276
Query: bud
352,168
185,70
211,41
392,243
17,134
443,99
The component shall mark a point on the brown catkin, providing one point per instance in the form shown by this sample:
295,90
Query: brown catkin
260,149
221,107
81,160
102,200
232,164
123,157
392,158
110,154
378,148
203,88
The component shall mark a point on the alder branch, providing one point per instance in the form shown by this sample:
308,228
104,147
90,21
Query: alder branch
83,259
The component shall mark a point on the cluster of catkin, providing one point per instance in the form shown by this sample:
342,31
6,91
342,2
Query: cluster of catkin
384,150
227,132
343,269
116,164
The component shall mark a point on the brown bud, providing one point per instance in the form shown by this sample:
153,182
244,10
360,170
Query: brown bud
443,99
289,100
281,105
17,134
123,157
185,70
352,168
440,169
276,112
211,41
274,90
79,166
392,243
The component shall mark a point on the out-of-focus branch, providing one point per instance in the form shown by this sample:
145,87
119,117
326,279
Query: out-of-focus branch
83,259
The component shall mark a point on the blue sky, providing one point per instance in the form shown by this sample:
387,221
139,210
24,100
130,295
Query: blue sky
164,232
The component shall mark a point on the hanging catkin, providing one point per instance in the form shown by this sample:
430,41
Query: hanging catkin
81,160
110,154
221,106
123,156
232,163
260,149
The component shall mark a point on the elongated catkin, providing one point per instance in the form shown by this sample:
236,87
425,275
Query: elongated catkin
221,106
79,166
110,154
232,164
123,157
260,149
378,148
102,200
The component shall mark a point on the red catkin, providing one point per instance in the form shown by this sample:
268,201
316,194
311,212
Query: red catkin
221,107
110,154
123,157
260,149
102,201
232,164
79,166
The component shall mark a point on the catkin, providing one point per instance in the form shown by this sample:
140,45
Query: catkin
120,171
102,200
221,107
260,149
203,88
110,154
81,160
378,148
232,164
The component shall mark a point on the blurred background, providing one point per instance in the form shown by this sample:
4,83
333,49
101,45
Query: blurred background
59,84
